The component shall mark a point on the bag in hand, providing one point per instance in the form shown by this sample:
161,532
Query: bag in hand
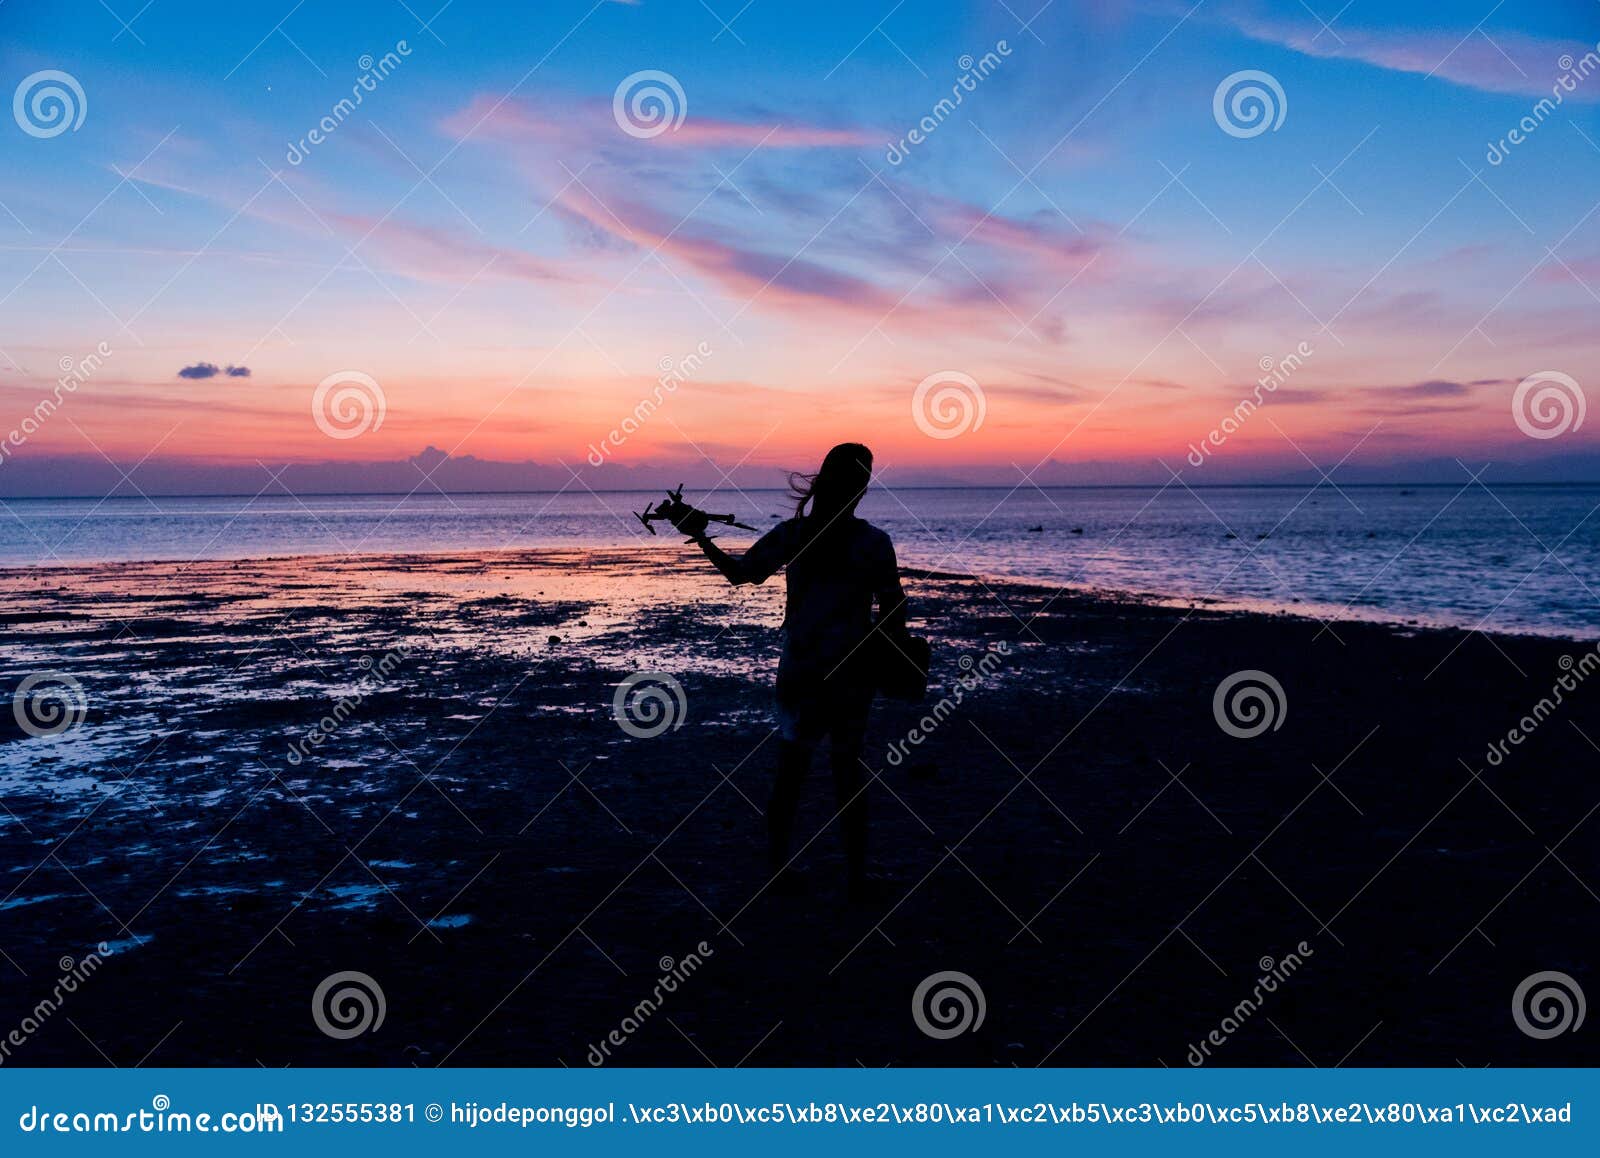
899,663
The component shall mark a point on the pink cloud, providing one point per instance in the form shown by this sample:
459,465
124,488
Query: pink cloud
517,120
433,254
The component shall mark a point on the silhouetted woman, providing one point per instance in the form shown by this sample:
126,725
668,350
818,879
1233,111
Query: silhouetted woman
838,565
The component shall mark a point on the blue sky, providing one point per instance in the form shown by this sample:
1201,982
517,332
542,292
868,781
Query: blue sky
1082,238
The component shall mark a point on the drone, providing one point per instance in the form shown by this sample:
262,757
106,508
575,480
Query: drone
690,520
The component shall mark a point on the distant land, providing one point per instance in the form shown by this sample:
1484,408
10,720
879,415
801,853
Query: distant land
433,471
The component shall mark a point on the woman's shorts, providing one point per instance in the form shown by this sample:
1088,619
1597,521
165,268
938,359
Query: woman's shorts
809,710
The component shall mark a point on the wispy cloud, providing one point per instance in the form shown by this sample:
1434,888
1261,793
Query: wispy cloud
1490,60
590,123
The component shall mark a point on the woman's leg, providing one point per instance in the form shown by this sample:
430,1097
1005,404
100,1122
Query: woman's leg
850,784
850,792
794,761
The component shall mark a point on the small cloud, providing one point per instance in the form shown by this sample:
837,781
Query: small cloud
201,370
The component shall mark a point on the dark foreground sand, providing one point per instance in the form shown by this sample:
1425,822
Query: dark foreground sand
481,837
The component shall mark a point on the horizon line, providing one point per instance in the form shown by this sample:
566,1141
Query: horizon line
784,490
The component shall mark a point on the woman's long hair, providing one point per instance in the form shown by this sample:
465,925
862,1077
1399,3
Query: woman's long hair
837,487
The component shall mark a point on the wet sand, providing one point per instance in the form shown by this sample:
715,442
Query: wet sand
478,834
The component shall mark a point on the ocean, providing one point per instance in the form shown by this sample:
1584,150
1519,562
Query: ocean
1506,558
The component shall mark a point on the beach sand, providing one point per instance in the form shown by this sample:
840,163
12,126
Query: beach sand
516,871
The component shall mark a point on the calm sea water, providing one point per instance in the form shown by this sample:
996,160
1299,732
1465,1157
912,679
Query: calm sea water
1514,558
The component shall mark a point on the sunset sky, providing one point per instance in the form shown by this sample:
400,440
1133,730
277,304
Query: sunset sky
1081,237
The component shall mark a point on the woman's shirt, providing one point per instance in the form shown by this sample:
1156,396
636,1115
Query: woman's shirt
833,577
